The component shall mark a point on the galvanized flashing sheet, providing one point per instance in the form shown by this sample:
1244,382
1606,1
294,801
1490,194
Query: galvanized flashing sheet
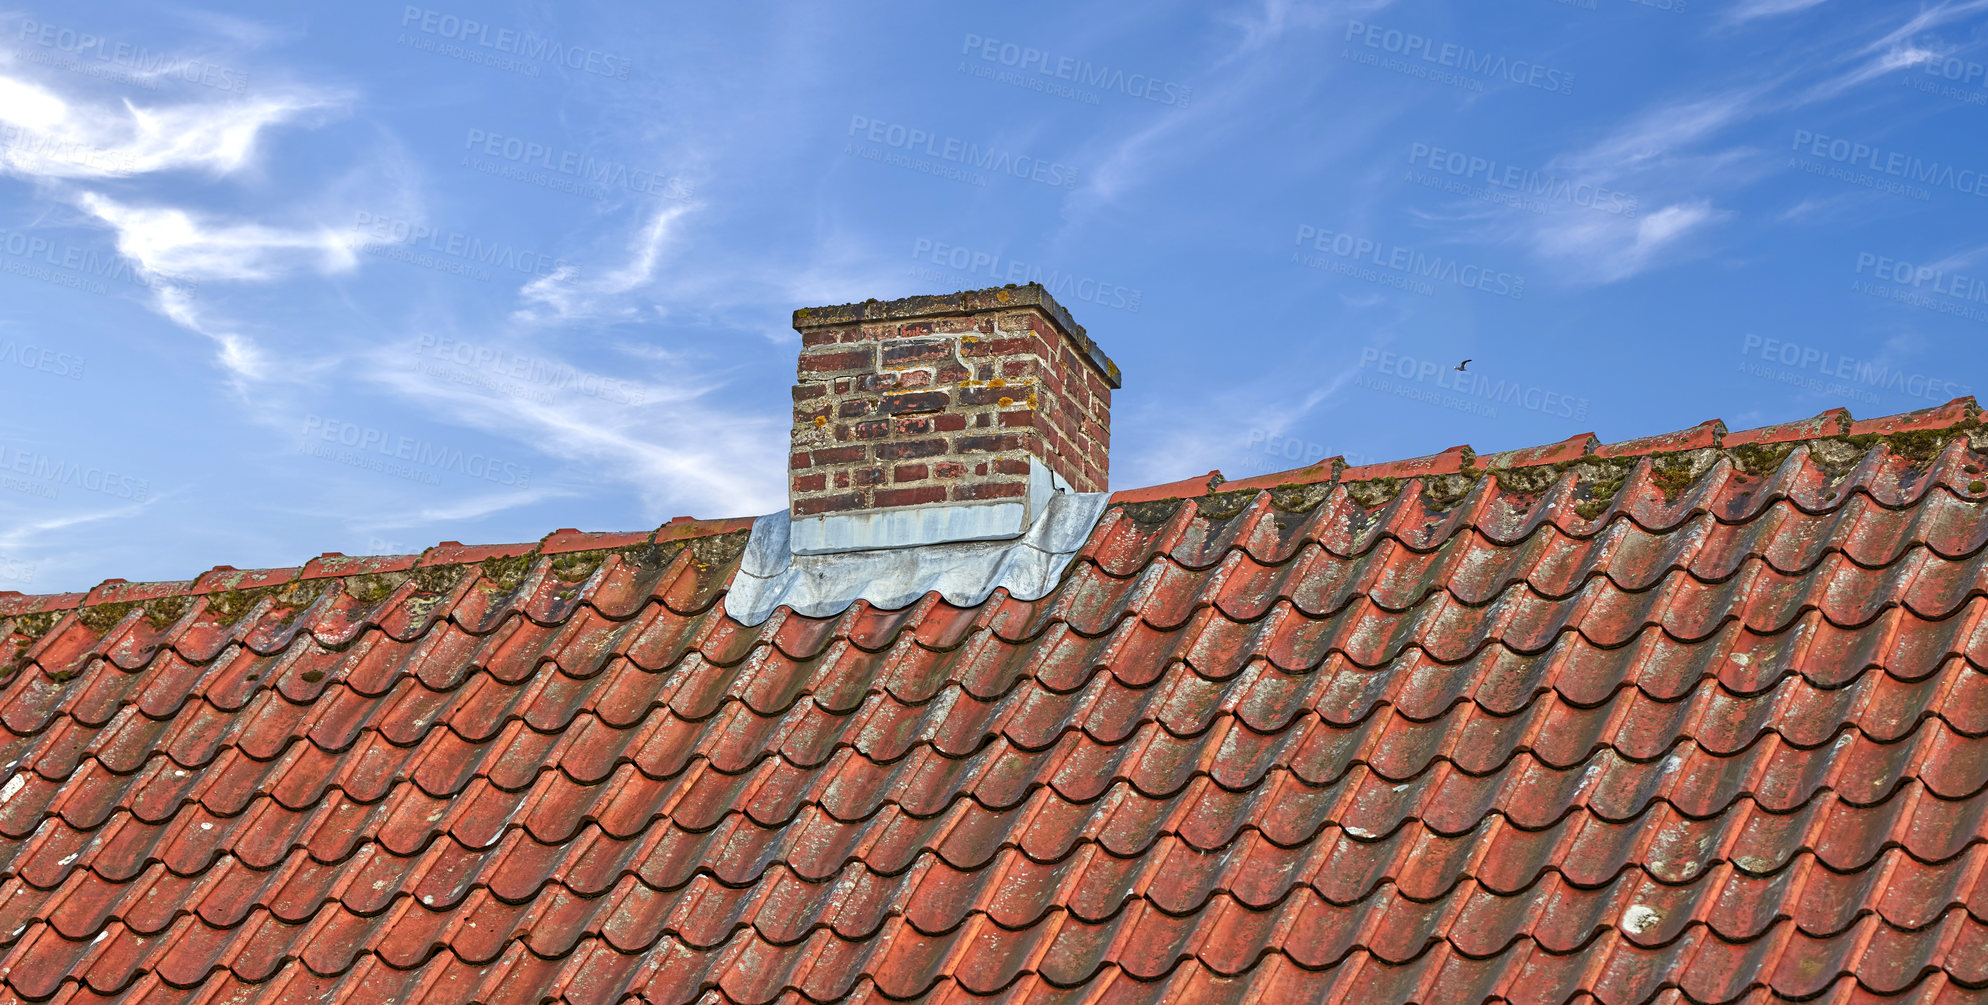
965,573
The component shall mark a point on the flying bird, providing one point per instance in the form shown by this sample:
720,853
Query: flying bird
1463,364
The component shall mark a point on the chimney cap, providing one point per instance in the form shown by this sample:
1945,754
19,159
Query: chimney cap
965,302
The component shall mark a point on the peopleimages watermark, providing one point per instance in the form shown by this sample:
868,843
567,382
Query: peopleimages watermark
1922,286
1472,391
1040,70
1414,55
27,147
1510,184
1889,163
571,171
1858,375
120,62
548,375
418,243
1062,284
1405,268
16,570
41,475
1963,94
1271,451
506,49
1962,80
32,357
47,260
948,156
403,456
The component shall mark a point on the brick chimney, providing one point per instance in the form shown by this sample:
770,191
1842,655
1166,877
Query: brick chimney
942,418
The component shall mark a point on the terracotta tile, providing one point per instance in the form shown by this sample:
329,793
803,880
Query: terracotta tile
1720,739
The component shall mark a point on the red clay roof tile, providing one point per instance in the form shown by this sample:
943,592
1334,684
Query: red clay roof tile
1699,717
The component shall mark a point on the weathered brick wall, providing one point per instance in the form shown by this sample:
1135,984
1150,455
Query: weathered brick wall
942,409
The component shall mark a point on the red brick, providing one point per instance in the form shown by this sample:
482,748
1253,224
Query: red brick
910,450
989,490
1006,345
984,395
864,477
870,429
854,408
820,336
1011,467
919,496
903,354
950,423
950,469
840,455
810,483
915,401
1018,418
804,392
910,473
828,504
838,361
974,444
797,460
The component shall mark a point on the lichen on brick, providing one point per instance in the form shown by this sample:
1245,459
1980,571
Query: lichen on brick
1597,481
506,572
101,618
372,587
433,579
1758,459
38,624
1374,492
575,566
1444,491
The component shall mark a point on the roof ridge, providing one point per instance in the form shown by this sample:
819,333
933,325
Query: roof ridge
1907,428
1835,423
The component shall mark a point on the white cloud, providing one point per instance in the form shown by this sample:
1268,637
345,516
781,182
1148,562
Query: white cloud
179,245
239,356
44,136
566,295
459,510
733,464
1609,248
1751,9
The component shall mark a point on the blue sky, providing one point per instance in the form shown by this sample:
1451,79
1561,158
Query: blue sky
547,254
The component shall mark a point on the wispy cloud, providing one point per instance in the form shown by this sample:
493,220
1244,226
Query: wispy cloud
1749,10
457,510
733,463
566,296
178,244
36,532
1271,20
1611,248
48,136
1896,49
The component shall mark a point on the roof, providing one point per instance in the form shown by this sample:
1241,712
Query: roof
1696,717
